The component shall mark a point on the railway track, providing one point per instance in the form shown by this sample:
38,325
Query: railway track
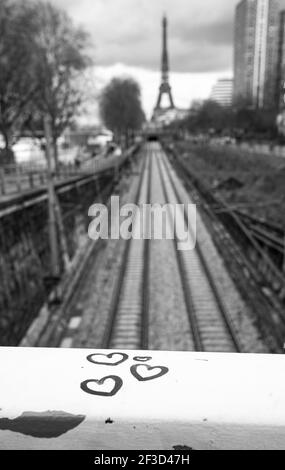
210,325
133,315
128,318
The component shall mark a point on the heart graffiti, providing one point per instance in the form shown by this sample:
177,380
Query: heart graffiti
117,384
142,359
143,378
95,359
142,372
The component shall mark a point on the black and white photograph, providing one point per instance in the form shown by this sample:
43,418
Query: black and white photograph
142,228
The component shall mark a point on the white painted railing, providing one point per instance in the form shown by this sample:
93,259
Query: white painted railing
80,399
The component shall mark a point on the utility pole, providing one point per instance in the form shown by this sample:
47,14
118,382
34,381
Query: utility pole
52,225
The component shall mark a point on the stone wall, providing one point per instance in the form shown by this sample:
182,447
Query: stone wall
25,254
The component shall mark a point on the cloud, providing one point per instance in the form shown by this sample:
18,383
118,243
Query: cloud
217,33
129,31
127,41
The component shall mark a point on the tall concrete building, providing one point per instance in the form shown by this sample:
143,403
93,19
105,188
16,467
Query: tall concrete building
280,92
256,52
222,92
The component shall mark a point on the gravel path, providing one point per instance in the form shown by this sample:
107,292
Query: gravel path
169,327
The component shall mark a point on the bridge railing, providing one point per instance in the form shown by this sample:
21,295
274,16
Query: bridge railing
18,178
90,399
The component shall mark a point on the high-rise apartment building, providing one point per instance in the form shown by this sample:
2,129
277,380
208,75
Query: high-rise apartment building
256,52
280,91
222,92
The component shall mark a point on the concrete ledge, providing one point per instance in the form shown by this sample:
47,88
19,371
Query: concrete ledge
80,399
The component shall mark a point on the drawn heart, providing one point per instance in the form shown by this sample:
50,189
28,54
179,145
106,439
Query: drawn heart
141,378
103,362
142,359
85,386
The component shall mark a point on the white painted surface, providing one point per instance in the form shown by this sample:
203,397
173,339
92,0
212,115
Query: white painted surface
204,401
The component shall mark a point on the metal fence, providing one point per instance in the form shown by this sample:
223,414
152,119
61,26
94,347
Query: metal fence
24,177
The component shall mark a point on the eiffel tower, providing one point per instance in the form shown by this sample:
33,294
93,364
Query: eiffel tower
165,88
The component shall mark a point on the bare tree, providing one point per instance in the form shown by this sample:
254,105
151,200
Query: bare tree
60,48
42,57
17,83
121,108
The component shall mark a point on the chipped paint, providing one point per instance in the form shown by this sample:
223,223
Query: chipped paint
48,424
109,421
182,448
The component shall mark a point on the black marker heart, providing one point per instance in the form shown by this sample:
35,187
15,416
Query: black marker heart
138,376
117,385
142,359
124,357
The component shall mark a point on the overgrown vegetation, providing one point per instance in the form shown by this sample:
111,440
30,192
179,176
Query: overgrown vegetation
252,183
239,122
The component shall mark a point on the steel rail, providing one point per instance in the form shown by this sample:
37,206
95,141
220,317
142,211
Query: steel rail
219,302
118,289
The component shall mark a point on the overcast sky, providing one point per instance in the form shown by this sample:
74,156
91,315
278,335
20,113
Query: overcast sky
127,40
128,31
